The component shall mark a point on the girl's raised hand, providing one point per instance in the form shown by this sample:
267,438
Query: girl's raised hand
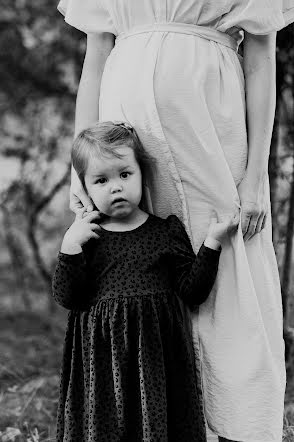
219,229
81,231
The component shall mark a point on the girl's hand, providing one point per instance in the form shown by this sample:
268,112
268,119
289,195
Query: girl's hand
220,229
254,207
78,198
82,229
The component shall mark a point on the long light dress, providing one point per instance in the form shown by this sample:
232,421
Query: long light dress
182,88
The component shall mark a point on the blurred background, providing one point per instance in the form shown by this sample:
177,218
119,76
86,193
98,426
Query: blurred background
40,63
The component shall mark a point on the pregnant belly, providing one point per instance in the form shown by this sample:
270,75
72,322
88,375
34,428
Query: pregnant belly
193,91
198,94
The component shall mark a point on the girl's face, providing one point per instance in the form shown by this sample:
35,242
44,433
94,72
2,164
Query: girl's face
115,184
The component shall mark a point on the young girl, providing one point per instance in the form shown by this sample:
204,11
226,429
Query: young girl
128,370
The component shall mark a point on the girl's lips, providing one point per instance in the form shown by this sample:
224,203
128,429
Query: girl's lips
118,200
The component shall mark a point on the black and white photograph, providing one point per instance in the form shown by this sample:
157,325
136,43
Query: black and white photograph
147,221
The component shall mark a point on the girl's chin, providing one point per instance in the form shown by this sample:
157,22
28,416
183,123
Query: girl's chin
121,213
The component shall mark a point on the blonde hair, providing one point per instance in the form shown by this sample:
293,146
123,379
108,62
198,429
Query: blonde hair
103,139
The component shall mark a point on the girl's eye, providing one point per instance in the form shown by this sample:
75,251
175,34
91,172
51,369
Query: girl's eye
125,175
101,180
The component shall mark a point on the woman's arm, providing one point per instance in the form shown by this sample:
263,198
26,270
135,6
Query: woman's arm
99,47
260,88
260,84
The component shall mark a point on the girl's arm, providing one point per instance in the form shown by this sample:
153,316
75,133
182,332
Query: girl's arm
99,47
72,285
194,275
69,280
260,87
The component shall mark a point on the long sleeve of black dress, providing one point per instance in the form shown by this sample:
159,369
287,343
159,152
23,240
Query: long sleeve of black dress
194,275
72,282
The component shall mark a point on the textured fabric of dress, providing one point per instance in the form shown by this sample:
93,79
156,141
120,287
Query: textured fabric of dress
185,96
128,369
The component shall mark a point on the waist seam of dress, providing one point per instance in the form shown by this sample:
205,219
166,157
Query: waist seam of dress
137,296
203,32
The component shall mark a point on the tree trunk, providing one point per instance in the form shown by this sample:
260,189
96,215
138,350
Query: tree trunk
273,171
288,252
18,259
32,236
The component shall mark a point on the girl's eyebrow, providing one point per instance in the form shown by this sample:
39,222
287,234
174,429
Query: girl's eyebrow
95,175
99,174
126,167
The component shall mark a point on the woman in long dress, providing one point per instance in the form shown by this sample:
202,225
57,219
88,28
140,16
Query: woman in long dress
171,68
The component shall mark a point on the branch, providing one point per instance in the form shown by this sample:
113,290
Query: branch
32,225
47,198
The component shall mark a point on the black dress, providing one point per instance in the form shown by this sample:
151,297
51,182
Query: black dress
128,370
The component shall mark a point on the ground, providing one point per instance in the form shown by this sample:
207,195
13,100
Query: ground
31,348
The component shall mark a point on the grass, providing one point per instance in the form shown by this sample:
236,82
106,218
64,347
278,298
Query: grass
31,348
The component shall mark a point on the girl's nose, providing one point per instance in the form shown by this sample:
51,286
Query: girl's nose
116,188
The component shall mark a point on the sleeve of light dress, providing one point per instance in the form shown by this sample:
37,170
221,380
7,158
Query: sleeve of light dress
89,16
194,275
259,17
71,282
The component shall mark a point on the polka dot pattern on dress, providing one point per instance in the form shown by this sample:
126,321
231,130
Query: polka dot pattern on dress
128,370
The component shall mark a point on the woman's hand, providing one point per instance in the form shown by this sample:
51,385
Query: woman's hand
253,205
78,198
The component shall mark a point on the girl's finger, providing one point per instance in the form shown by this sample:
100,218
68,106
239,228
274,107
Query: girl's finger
95,227
80,213
227,224
225,219
87,212
214,216
94,235
233,224
213,220
90,216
